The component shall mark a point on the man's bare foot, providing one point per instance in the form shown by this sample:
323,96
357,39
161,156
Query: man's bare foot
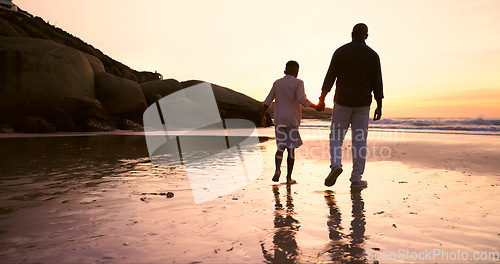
290,181
276,177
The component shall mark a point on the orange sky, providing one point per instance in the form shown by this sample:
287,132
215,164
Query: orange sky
439,58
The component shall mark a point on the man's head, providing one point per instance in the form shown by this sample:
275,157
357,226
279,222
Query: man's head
292,68
359,32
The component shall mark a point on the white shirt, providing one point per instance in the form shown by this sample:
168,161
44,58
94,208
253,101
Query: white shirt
289,94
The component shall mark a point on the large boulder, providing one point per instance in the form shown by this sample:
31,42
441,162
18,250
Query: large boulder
36,74
233,104
119,96
161,87
95,63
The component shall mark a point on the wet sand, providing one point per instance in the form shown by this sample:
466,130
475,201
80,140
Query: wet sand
98,200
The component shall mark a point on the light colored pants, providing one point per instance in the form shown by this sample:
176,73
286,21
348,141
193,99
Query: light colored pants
342,117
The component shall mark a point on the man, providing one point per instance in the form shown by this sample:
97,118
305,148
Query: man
356,67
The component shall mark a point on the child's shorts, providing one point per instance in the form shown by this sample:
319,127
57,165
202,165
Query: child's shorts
287,137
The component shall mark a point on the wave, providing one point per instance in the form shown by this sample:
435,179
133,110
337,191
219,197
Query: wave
457,124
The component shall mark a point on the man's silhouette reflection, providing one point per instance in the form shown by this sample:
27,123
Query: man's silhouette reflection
285,229
352,251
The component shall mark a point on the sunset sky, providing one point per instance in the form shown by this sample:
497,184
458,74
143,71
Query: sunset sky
439,58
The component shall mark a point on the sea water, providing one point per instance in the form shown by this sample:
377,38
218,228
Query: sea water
476,126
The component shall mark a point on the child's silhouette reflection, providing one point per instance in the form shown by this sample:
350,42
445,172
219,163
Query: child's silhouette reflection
285,229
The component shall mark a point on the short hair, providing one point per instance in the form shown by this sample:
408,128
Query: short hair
292,67
360,30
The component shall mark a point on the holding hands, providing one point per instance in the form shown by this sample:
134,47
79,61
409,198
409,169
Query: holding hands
320,106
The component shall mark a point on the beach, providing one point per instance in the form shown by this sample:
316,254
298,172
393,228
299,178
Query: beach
431,198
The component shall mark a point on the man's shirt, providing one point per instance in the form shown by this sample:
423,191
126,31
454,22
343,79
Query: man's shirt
289,94
356,67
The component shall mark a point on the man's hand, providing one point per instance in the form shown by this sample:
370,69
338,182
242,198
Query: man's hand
320,106
378,114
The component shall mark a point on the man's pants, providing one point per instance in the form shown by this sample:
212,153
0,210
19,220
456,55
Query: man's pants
357,117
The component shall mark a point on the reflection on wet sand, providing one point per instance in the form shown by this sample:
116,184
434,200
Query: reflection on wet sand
352,251
285,230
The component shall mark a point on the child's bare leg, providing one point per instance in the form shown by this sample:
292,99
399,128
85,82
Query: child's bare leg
290,161
278,158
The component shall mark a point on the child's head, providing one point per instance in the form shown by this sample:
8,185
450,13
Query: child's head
292,68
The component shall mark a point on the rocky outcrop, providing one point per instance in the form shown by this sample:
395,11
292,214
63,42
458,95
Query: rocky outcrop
35,75
23,24
50,80
120,97
47,85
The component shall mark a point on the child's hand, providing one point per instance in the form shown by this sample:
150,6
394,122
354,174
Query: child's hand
263,121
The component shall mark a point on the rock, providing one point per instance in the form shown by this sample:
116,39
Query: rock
145,76
97,125
120,97
80,109
88,114
95,63
126,124
36,74
96,120
60,120
233,104
161,87
74,105
152,98
129,75
10,30
34,124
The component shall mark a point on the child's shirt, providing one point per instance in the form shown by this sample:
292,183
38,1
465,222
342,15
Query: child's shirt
289,94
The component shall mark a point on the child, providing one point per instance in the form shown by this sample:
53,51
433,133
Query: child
289,94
